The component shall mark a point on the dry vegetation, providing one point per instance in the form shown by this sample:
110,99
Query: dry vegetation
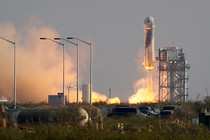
132,127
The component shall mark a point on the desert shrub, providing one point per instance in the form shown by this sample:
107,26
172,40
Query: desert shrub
134,127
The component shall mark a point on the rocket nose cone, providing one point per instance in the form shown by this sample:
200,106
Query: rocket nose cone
149,20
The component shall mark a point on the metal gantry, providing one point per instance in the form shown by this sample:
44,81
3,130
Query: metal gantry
172,75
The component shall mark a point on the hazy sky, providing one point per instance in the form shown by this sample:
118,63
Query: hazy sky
115,28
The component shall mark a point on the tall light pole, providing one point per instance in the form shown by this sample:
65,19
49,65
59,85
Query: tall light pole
14,69
43,38
77,65
90,63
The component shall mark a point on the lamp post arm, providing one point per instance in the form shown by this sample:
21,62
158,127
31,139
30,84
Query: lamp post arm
56,41
66,41
7,40
79,40
43,38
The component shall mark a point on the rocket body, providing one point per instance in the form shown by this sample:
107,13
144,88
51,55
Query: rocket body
149,56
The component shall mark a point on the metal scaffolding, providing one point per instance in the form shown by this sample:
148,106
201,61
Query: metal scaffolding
172,75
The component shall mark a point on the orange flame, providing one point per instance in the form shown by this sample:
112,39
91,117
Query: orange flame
97,97
144,94
149,67
115,100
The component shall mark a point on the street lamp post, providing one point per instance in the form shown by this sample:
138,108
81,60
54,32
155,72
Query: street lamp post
90,63
43,38
77,65
14,69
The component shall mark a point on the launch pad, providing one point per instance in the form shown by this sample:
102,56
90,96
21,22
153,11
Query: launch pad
172,67
173,76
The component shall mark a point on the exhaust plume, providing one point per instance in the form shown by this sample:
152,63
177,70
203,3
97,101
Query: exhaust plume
38,63
146,88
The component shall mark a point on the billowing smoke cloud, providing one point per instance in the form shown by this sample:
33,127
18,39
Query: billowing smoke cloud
38,63
145,90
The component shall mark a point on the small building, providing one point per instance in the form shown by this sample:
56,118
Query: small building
204,118
56,99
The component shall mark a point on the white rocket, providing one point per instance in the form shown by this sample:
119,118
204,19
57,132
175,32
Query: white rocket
149,57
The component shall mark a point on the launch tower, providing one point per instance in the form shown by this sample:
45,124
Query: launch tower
172,74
